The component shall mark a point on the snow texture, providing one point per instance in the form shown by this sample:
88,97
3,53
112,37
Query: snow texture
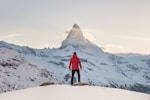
64,92
17,73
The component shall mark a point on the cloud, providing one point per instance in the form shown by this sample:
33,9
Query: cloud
142,39
10,36
89,37
114,48
139,38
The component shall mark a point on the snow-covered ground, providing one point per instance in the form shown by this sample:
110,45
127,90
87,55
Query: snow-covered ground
16,72
66,92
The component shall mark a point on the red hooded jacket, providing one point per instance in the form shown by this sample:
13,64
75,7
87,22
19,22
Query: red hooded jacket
74,63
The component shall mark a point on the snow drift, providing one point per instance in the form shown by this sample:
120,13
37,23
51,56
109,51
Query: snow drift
66,92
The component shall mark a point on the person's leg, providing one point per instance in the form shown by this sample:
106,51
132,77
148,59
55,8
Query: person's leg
78,71
72,77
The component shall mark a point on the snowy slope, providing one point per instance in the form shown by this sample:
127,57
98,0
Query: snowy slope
17,73
64,92
126,71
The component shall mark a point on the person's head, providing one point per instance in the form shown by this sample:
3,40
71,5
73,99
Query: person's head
74,53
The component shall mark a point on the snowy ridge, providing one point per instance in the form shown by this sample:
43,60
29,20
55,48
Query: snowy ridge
124,71
17,73
56,92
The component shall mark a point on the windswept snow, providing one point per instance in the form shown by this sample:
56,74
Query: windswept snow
66,92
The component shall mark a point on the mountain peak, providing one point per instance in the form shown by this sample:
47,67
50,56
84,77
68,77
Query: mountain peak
76,38
76,26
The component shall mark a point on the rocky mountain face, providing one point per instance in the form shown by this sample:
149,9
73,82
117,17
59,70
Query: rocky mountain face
127,71
16,72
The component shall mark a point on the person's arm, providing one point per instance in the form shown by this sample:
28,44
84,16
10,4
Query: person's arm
80,64
70,63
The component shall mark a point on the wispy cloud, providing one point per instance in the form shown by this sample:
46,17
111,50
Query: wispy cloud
89,37
114,48
139,38
142,38
10,36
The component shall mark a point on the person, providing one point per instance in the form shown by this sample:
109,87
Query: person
75,66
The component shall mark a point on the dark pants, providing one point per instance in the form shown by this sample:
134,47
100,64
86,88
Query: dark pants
73,72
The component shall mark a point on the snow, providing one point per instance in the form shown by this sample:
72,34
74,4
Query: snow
66,92
16,72
76,38
99,68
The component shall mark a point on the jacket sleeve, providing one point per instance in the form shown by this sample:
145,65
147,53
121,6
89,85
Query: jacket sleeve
80,64
70,63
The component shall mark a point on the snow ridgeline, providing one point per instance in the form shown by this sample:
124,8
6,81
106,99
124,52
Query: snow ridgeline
66,92
16,72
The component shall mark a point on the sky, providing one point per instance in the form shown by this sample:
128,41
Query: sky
117,26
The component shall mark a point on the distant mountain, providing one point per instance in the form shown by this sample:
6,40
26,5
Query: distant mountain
126,71
76,39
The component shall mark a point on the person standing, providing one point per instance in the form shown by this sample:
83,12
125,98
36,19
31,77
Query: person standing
75,66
